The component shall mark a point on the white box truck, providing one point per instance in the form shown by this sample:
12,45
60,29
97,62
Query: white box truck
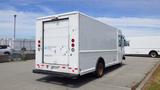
74,44
146,45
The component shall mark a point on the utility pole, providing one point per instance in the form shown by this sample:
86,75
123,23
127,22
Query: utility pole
14,37
14,34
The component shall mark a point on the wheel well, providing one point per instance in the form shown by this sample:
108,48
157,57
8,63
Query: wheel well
153,51
6,52
100,59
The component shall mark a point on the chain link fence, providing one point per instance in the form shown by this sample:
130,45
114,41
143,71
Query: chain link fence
22,48
19,44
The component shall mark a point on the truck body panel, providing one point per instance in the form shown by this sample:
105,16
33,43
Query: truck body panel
96,40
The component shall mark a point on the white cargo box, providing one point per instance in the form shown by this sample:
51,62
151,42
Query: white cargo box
74,44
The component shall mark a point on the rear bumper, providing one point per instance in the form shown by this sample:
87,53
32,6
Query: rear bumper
59,74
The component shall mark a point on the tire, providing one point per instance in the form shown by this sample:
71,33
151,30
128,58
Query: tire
123,58
7,53
99,69
120,64
153,54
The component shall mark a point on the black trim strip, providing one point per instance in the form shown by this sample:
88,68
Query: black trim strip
42,42
55,19
59,74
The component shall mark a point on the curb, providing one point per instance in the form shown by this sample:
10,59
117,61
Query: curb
140,85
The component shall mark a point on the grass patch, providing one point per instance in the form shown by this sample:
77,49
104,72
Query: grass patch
154,82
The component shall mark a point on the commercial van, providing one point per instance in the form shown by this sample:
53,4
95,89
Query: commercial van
144,45
73,44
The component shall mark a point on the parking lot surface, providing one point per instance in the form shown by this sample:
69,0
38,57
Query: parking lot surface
19,76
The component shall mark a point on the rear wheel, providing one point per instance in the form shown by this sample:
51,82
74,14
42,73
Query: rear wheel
7,53
153,54
100,69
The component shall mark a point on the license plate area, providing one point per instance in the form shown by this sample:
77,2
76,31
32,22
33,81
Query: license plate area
55,67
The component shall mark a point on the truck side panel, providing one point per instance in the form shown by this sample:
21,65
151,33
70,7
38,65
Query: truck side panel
96,40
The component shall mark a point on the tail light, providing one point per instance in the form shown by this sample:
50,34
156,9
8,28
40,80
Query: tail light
39,43
72,40
72,44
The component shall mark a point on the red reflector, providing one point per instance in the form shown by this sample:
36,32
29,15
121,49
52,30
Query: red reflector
47,66
38,65
72,70
63,67
69,68
76,68
39,41
72,40
73,45
42,65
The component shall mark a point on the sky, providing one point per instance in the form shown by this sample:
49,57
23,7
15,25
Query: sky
133,17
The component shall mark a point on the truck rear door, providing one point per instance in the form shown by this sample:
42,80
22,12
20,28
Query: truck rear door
55,41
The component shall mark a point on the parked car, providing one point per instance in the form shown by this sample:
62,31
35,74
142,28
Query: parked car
5,49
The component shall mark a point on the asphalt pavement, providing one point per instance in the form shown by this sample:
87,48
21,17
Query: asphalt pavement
18,76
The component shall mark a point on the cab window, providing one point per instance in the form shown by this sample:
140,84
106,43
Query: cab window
120,40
